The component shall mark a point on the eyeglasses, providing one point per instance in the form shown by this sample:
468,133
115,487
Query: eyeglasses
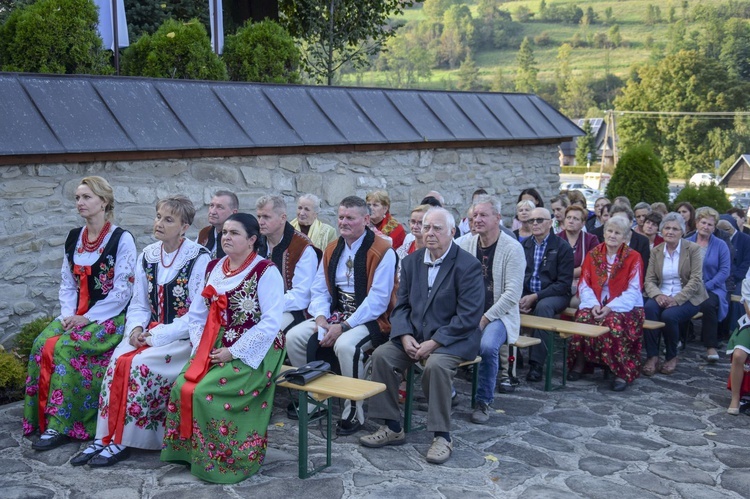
537,221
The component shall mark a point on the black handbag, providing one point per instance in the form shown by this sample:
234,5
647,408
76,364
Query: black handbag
304,374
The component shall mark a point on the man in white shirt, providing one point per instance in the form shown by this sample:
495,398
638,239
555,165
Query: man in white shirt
352,295
292,253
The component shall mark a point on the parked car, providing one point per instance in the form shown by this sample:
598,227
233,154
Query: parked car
573,186
674,190
740,199
703,179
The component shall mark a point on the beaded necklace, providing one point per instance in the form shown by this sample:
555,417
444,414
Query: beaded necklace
245,264
164,265
90,247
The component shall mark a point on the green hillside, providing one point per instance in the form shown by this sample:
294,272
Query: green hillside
641,40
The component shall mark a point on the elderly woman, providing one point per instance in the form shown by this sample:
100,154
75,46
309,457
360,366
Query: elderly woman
523,212
581,242
674,285
651,229
610,290
168,278
596,221
220,405
738,348
413,240
526,195
687,212
69,357
307,222
640,211
380,203
716,267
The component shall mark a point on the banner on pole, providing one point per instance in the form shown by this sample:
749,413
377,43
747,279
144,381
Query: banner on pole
217,25
107,22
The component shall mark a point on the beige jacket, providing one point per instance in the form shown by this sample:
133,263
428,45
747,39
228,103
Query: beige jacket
690,269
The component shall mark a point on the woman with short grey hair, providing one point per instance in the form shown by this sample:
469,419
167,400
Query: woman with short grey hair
307,222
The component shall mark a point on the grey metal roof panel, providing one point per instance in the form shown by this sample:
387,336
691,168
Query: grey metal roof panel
22,128
304,114
203,115
419,115
257,116
143,113
508,115
452,116
385,116
537,121
557,126
348,118
480,116
77,115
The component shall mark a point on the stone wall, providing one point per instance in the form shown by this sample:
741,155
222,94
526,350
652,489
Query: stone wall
38,208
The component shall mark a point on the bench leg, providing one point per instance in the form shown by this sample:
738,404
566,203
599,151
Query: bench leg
304,421
474,383
515,361
409,399
550,361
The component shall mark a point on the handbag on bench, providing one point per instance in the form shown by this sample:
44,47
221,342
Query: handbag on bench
304,374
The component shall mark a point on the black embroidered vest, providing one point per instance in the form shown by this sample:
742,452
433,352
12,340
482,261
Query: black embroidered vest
176,294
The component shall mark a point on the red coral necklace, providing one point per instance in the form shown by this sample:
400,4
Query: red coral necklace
164,265
91,247
245,264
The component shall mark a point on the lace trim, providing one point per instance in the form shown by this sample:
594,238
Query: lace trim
190,249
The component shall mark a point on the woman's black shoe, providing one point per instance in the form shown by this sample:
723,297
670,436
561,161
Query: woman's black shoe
84,457
53,442
619,385
100,461
574,375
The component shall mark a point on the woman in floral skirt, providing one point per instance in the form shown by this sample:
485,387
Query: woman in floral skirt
611,295
69,357
132,404
221,403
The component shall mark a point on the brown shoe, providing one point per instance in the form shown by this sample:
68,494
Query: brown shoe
649,368
669,366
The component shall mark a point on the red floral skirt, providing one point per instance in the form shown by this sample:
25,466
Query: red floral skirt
619,350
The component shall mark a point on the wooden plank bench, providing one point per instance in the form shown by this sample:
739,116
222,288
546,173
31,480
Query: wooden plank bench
571,312
319,393
564,329
522,342
409,402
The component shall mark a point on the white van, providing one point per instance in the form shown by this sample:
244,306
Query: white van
703,179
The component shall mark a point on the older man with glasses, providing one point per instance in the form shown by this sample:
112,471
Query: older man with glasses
547,281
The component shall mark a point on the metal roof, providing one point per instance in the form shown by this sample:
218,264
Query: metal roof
74,114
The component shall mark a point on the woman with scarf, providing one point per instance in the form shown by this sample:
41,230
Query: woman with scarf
221,403
307,222
611,295
168,277
380,204
69,357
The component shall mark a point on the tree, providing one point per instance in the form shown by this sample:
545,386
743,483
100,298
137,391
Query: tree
614,35
53,36
526,76
705,195
468,75
639,176
407,60
586,146
145,16
457,34
263,52
590,17
609,17
735,49
337,32
577,98
176,50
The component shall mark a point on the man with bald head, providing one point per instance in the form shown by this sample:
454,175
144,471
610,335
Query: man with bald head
436,320
547,281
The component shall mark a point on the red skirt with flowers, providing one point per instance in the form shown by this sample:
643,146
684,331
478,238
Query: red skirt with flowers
619,350
232,406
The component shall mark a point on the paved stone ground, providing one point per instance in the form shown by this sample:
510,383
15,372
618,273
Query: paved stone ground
663,437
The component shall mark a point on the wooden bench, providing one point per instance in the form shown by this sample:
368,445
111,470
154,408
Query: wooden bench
564,329
409,402
522,342
319,392
571,312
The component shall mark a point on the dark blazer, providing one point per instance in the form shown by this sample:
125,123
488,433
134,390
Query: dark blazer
450,313
556,272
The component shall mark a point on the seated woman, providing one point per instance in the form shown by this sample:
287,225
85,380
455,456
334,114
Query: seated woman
380,216
596,221
307,222
581,242
220,405
738,348
716,267
69,357
651,229
688,214
133,400
526,195
674,285
523,212
413,240
611,295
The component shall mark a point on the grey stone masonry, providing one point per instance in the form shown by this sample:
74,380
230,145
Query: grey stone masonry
38,208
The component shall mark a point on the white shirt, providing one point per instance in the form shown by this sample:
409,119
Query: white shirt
434,265
298,297
670,272
139,311
122,290
375,303
629,299
253,345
